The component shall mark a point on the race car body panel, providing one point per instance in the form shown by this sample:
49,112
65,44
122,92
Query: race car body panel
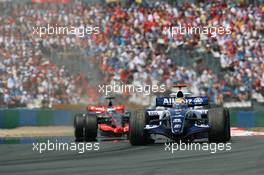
112,121
107,128
177,121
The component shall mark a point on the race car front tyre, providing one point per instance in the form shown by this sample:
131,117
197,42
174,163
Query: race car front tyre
78,127
90,127
219,120
137,134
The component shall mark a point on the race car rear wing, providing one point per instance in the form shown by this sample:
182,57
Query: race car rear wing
101,109
191,101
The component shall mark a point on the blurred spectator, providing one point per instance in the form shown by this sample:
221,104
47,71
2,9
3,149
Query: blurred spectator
131,47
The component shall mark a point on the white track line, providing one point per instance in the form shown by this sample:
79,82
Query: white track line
244,132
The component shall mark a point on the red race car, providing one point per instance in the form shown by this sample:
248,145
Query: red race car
109,120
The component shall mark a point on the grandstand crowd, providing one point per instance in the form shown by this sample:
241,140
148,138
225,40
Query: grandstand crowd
131,47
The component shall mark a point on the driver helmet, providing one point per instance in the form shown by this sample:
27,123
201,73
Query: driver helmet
178,102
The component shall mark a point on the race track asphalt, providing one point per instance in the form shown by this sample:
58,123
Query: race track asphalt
245,158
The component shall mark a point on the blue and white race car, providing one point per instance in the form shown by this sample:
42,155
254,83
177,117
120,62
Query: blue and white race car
179,117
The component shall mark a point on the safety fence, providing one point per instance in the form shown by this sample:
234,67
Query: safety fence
12,118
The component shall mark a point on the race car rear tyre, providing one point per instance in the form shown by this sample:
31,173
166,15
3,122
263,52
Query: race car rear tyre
137,134
219,120
79,127
228,136
90,127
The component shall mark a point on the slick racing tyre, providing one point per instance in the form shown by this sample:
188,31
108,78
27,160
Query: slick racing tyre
90,127
219,120
137,134
78,127
228,133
